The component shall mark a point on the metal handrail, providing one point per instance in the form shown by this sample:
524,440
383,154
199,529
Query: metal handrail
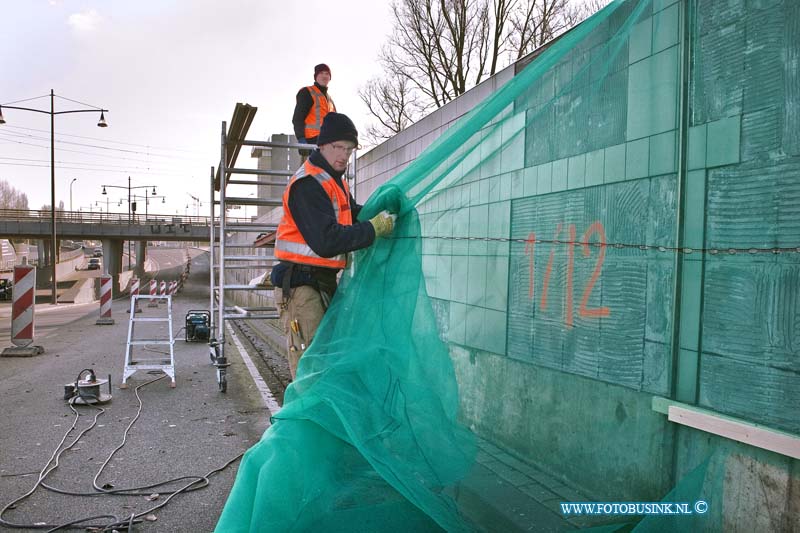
78,217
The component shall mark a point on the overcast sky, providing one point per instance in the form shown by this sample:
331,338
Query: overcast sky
169,72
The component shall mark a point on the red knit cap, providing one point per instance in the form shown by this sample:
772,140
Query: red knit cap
322,67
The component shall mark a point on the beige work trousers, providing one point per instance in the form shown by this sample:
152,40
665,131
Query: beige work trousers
304,306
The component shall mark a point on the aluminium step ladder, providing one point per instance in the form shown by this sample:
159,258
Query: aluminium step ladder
166,363
233,260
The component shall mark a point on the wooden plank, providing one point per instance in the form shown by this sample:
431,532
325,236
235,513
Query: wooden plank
776,441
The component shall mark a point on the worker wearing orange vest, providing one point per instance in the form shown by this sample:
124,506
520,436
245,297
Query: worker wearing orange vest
316,232
312,104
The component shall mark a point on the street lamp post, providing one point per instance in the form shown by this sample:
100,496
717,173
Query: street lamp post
147,201
130,220
129,188
197,204
107,208
101,124
70,193
245,209
98,205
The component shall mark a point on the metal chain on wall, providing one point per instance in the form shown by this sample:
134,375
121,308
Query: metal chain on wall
620,245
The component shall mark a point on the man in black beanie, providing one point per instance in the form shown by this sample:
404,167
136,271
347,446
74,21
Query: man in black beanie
312,104
316,232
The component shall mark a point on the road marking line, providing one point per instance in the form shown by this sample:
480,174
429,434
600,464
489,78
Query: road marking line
261,385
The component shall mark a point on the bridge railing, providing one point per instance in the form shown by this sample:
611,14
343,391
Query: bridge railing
79,217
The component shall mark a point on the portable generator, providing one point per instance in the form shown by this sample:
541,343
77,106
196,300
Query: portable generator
198,326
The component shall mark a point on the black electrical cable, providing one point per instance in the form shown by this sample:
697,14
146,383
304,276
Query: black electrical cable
175,493
80,521
45,471
134,491
198,482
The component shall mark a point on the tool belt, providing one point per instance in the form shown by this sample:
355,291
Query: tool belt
320,278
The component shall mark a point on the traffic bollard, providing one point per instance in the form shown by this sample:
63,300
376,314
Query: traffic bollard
105,319
153,292
23,314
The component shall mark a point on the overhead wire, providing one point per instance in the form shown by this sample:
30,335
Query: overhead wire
12,139
76,101
165,148
25,100
123,171
39,138
77,163
55,96
152,170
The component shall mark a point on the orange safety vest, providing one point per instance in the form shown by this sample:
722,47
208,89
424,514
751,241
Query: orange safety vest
323,105
290,244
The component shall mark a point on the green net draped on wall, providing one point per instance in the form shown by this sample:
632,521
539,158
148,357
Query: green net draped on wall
496,311
367,439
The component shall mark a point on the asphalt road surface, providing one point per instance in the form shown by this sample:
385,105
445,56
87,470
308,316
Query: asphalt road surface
189,430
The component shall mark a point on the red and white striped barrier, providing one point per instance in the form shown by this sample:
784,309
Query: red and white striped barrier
105,301
163,290
153,292
23,313
135,292
173,285
22,307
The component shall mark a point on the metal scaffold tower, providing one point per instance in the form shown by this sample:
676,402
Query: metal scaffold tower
228,256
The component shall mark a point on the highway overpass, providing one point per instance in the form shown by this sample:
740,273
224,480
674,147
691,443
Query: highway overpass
25,224
112,229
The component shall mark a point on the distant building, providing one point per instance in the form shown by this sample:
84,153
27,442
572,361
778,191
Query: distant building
8,256
286,159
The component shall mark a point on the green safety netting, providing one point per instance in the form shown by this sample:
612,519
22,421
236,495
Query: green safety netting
370,437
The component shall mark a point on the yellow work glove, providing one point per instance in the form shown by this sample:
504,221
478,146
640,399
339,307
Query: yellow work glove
383,223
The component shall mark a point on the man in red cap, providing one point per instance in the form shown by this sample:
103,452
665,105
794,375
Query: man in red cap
313,103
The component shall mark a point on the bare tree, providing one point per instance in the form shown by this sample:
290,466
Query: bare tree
46,207
11,198
393,103
439,49
439,46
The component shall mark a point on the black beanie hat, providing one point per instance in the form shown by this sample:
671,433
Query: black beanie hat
337,127
322,67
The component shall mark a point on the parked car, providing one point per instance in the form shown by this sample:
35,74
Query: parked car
94,264
98,252
5,289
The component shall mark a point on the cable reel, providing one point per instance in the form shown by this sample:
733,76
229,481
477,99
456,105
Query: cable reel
86,390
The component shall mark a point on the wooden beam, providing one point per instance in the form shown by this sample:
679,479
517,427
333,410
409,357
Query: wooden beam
740,431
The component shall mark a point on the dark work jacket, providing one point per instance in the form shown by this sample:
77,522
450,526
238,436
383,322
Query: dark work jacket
313,213
304,104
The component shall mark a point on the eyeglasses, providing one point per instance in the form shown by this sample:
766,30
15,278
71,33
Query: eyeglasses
343,148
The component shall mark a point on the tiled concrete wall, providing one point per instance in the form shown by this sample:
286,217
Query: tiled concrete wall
537,376
387,159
